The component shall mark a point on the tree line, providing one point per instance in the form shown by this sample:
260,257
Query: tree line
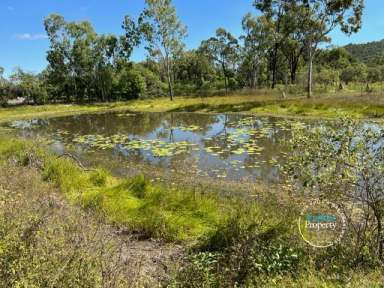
281,46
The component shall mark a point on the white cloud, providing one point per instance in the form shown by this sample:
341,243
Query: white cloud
31,37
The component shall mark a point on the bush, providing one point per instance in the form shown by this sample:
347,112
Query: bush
344,163
154,86
131,85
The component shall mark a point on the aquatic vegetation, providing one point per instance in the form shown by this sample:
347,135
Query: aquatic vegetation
157,147
326,107
214,141
190,128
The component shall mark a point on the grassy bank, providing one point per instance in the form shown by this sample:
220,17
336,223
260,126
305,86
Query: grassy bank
353,105
45,242
136,204
231,242
139,206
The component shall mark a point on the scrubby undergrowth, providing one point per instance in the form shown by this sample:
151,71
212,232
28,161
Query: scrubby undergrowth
45,242
231,242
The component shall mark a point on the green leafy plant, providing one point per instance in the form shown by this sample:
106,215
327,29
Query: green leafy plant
344,163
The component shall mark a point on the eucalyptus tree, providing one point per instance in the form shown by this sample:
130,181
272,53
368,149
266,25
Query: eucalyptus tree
256,44
335,58
84,64
354,73
82,40
194,67
373,76
223,50
274,11
293,35
308,21
164,34
105,53
71,56
320,17
132,36
58,56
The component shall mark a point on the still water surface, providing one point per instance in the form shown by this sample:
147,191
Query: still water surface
229,147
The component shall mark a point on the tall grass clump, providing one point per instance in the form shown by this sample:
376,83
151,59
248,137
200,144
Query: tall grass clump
136,204
155,210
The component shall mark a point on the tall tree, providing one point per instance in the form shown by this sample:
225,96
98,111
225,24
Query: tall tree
320,17
293,35
194,67
105,55
164,34
82,38
82,63
273,11
57,56
223,50
132,36
257,43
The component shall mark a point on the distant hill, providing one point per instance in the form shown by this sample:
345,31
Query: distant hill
368,52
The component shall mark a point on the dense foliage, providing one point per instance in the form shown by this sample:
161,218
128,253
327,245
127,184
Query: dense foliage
368,53
345,164
279,48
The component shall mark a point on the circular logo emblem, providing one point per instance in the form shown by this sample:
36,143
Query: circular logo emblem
322,224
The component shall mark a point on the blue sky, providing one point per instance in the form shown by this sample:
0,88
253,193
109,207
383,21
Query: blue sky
23,42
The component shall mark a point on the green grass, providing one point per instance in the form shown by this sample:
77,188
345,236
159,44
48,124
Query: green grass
152,210
156,211
228,235
321,106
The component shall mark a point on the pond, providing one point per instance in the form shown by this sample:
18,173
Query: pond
220,147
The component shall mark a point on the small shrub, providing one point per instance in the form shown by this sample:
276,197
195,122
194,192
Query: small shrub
243,250
200,272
